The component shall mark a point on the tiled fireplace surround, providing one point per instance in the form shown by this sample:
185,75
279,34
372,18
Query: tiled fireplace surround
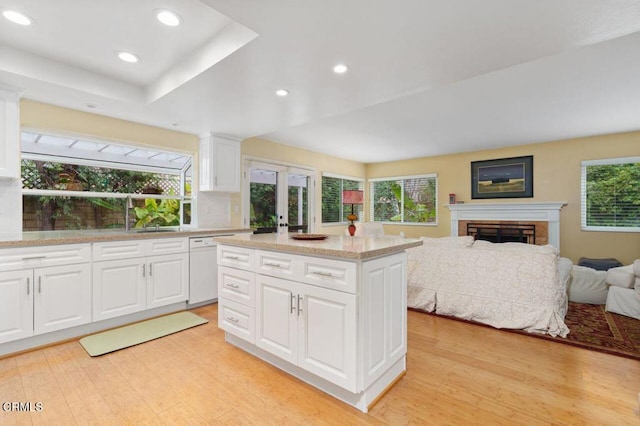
544,215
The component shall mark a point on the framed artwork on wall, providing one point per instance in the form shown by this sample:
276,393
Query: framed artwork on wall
502,178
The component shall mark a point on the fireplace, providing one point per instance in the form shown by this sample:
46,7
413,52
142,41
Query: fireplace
503,232
533,223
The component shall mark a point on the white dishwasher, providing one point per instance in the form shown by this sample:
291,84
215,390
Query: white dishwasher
203,270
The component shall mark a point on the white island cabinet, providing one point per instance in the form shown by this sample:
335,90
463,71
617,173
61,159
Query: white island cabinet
332,312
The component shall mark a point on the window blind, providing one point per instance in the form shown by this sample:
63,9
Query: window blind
610,195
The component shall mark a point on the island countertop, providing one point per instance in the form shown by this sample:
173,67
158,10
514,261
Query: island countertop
336,246
42,238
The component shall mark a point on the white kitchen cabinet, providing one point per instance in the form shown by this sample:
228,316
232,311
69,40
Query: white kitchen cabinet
236,296
311,327
9,134
44,289
119,287
219,164
62,297
16,305
132,276
168,279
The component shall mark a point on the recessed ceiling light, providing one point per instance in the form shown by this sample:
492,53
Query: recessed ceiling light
168,18
128,57
17,17
340,69
282,92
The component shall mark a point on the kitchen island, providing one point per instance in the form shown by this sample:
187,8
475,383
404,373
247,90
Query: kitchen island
331,312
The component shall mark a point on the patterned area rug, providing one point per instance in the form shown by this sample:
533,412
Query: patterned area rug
590,327
593,328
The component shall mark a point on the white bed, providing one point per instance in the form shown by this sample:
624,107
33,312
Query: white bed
509,285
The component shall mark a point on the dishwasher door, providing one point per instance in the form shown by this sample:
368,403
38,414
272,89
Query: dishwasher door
203,270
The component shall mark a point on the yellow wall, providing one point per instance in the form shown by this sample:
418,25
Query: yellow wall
267,150
556,177
45,117
556,171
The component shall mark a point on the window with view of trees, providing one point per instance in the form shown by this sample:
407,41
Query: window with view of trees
333,211
611,195
407,200
68,193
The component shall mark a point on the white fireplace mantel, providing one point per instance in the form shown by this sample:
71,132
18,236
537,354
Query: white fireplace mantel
538,212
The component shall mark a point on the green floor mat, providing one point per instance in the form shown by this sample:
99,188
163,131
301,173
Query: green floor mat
134,334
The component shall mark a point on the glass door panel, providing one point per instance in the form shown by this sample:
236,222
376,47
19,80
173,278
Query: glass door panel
280,198
298,202
263,201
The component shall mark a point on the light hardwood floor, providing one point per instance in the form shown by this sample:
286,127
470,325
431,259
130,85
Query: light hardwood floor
457,373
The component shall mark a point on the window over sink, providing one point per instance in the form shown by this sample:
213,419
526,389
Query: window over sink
73,183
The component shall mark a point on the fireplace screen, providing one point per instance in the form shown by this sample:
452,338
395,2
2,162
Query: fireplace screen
502,233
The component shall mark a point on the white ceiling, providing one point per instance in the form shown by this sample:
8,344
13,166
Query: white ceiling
425,77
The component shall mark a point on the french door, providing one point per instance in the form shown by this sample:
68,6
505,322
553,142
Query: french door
278,198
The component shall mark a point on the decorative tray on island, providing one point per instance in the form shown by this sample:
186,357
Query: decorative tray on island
309,236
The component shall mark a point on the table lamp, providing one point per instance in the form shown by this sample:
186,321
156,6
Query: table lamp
352,196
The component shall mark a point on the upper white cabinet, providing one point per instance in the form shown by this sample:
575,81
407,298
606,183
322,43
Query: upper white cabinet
219,164
9,134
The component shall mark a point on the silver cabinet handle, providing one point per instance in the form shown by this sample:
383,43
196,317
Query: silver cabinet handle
34,257
323,274
293,301
28,285
144,270
232,285
151,269
299,305
39,284
275,265
231,257
232,319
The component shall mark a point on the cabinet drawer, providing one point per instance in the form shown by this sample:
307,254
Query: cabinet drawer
237,319
275,264
167,246
36,257
236,257
237,285
328,273
118,250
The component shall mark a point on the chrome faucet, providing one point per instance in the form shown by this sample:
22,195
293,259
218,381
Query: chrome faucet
127,216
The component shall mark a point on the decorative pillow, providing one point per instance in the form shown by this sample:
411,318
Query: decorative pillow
464,241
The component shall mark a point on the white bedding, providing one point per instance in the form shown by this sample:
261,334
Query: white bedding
510,285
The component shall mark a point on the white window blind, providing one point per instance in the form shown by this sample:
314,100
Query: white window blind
610,192
406,199
333,210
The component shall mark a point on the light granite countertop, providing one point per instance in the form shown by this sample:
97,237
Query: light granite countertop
336,246
41,238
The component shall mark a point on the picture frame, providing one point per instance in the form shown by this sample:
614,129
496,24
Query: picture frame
502,178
